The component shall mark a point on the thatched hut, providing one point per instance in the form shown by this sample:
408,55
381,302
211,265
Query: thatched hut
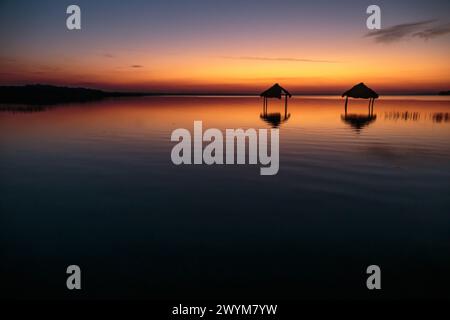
361,91
275,91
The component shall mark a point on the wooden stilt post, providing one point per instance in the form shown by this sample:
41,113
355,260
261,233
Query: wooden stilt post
285,106
346,100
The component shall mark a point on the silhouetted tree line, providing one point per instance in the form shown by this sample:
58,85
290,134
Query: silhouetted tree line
46,94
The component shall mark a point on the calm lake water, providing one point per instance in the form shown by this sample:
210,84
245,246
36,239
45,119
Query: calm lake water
93,184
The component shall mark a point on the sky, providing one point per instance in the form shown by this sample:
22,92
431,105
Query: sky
204,46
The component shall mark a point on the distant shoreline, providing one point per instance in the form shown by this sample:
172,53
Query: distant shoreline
48,94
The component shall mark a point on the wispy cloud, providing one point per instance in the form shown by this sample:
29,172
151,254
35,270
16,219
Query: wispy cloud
433,32
398,32
47,68
7,59
108,55
136,66
280,59
421,29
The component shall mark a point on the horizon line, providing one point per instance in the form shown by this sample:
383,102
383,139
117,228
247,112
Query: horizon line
230,93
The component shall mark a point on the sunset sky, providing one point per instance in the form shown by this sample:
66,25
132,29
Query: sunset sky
227,46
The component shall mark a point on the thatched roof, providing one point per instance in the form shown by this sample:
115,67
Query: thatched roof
360,91
275,91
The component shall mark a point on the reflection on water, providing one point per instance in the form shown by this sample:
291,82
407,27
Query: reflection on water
406,115
94,184
437,117
440,117
359,121
14,108
275,119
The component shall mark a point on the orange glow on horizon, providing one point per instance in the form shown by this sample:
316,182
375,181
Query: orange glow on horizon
408,67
